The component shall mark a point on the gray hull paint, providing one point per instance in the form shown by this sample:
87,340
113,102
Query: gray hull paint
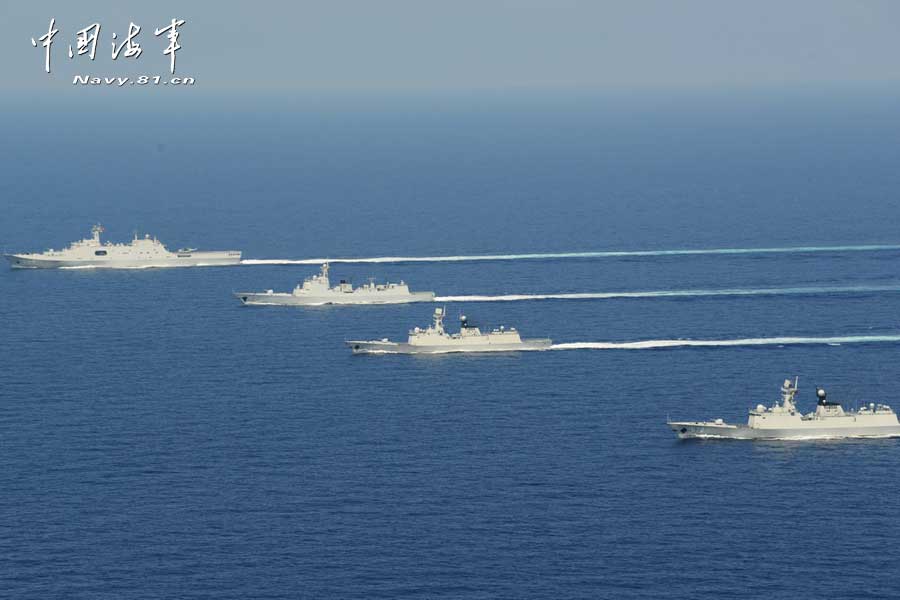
263,299
694,431
198,259
360,347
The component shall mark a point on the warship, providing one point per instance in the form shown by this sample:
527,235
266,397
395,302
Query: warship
783,421
435,340
141,252
317,290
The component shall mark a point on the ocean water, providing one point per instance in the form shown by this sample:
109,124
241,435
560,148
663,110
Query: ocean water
158,440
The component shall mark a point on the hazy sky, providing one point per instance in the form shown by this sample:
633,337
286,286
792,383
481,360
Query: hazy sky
421,45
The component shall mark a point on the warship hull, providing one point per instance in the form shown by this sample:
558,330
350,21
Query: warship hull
382,347
338,298
195,259
693,430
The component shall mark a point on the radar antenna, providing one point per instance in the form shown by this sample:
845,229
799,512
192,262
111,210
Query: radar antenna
465,322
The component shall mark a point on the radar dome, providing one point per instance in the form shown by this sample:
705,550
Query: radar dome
820,393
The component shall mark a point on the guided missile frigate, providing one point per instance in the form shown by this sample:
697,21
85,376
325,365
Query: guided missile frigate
317,290
435,340
783,421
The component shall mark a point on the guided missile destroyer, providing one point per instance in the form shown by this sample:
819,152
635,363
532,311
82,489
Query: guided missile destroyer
782,421
141,252
435,340
317,290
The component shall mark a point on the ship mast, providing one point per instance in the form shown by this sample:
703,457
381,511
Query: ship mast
788,391
438,324
96,230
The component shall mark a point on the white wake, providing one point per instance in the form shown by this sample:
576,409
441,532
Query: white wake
771,341
676,293
563,255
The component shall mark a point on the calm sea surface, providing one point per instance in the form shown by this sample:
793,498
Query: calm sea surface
158,440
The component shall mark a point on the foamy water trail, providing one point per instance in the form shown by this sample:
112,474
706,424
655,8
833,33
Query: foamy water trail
810,290
564,255
772,341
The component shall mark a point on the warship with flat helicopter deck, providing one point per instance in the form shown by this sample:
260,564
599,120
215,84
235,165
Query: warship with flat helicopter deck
435,340
783,421
141,252
317,291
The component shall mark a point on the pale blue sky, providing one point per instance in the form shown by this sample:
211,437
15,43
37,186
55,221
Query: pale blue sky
420,45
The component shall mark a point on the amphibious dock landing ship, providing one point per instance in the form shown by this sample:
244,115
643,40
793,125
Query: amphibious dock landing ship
141,252
317,290
435,340
782,421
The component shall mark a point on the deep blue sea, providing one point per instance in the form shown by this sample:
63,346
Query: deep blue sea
159,440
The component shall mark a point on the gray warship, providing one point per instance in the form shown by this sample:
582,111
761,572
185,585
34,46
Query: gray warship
317,291
435,340
141,252
782,421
